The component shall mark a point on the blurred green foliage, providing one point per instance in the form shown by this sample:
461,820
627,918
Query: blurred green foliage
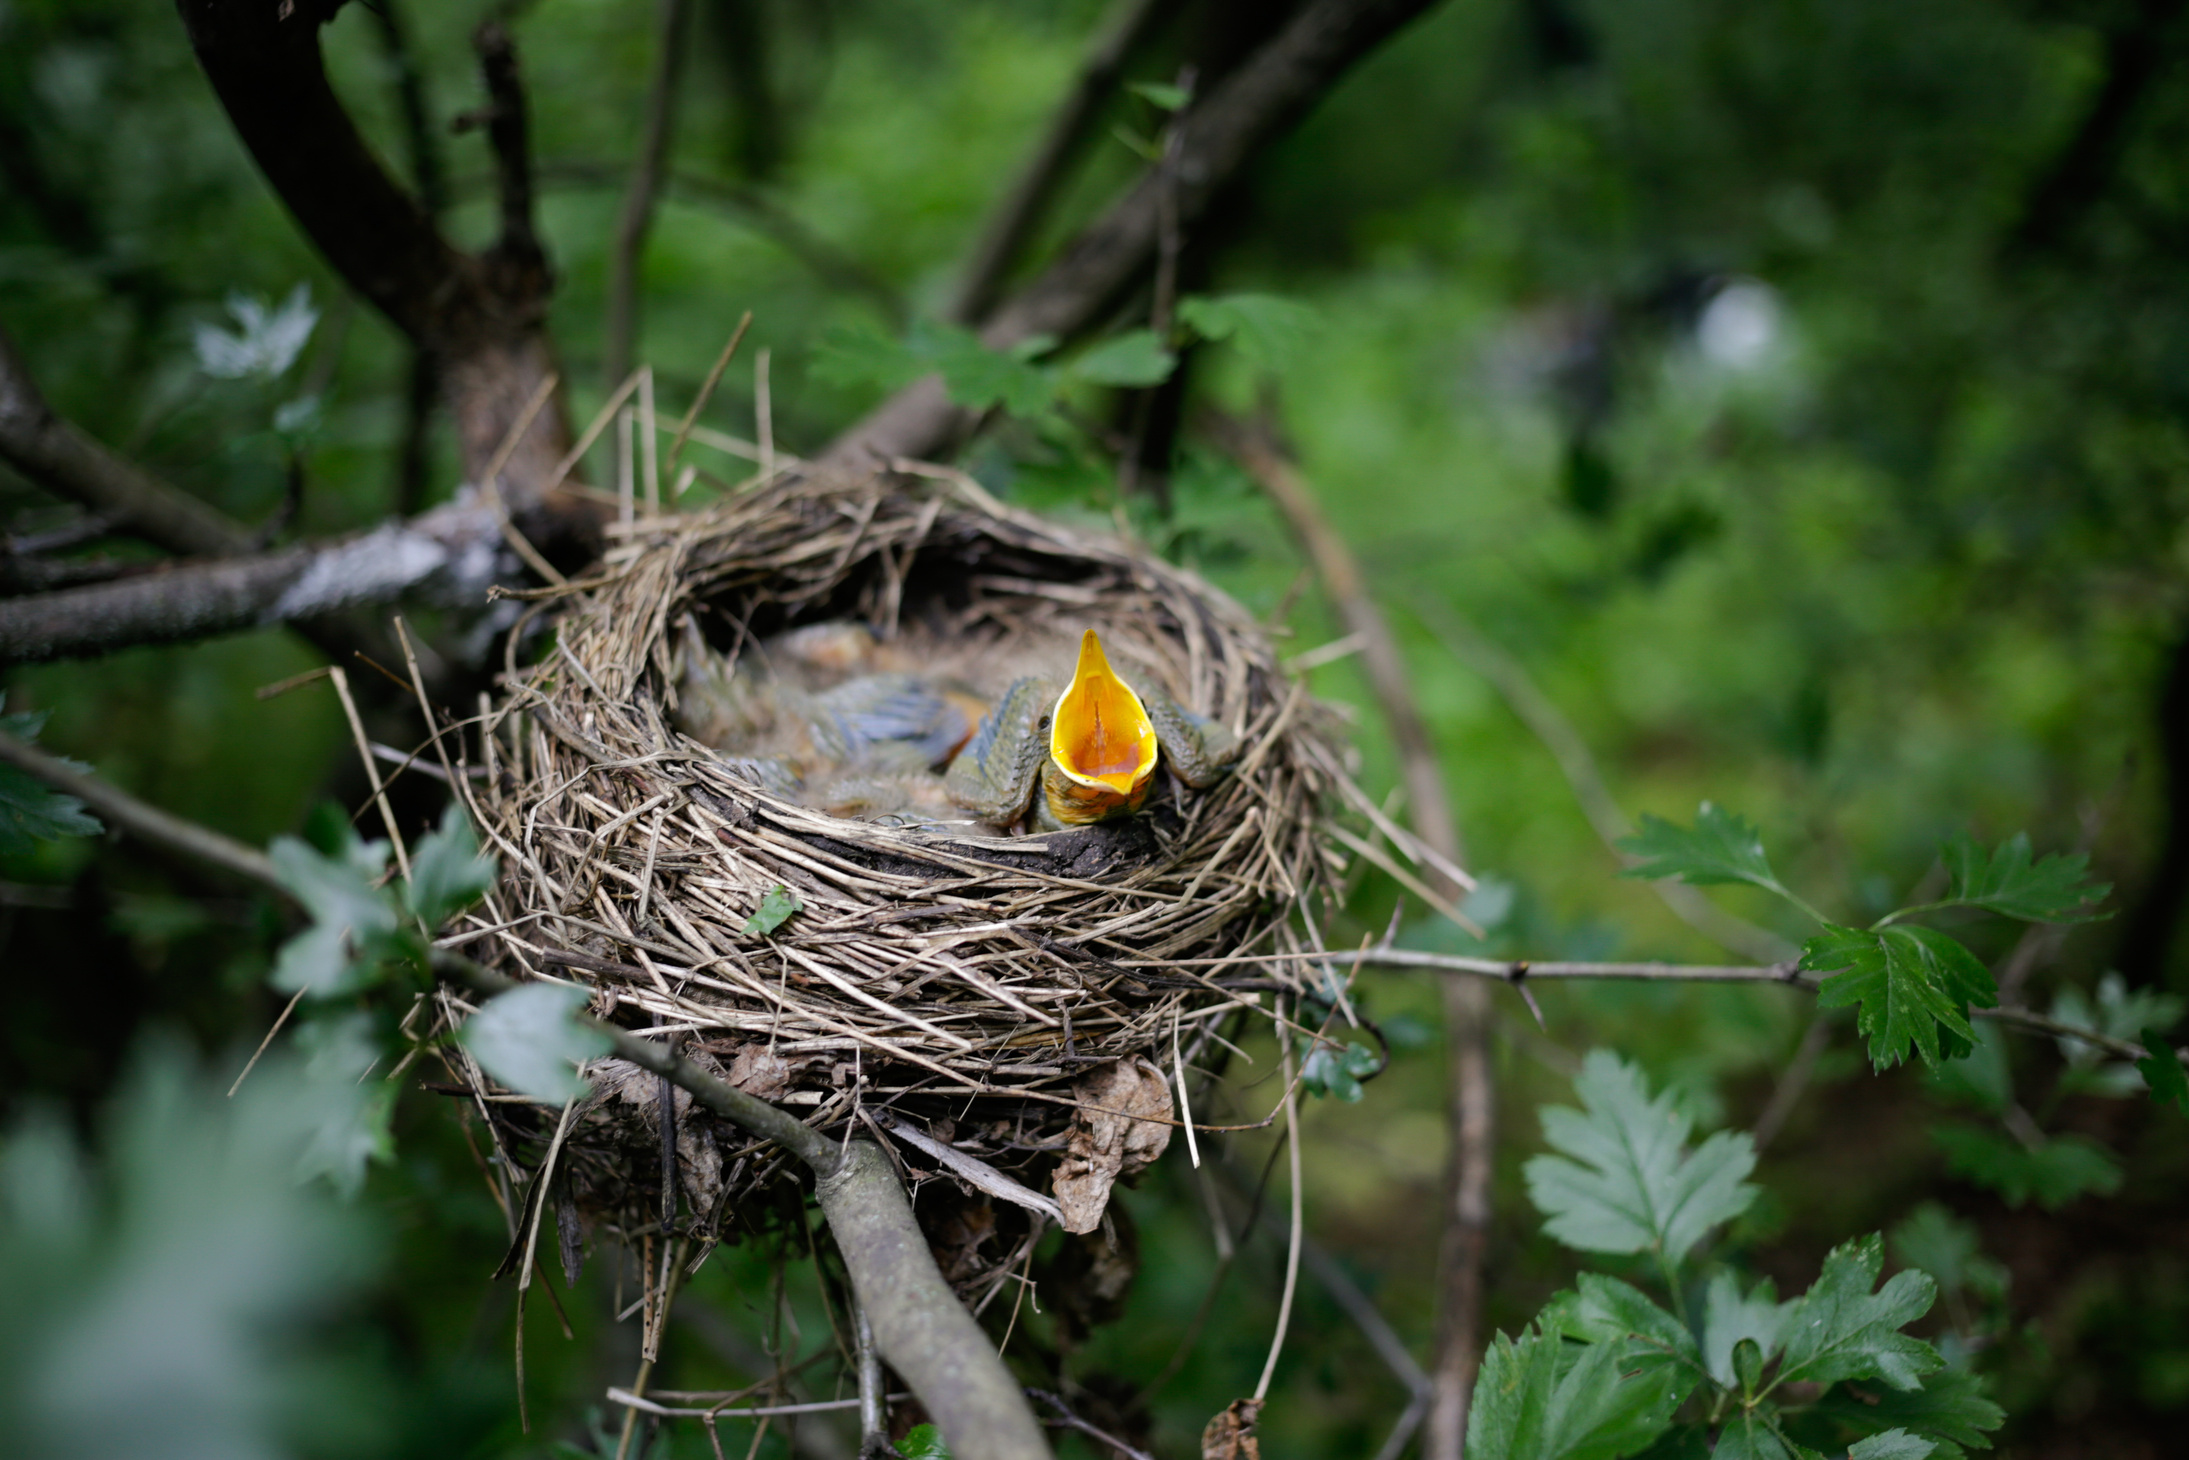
1796,392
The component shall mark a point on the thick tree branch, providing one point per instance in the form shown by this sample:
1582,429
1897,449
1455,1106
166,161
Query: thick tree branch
1274,87
63,460
450,554
480,318
1013,223
1470,1092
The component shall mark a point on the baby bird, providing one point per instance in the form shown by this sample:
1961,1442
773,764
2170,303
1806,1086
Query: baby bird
866,745
1092,749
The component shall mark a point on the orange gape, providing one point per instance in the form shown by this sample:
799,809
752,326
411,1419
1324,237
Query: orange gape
1100,735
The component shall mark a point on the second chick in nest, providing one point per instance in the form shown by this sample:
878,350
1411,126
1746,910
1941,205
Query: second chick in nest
831,718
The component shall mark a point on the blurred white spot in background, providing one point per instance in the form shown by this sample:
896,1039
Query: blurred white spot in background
1742,326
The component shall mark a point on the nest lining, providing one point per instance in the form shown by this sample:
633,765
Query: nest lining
974,986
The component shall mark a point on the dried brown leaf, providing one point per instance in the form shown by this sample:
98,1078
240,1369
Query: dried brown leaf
1230,1436
1116,1134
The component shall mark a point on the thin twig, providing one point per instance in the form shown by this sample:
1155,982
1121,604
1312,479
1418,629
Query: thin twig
706,391
279,1020
1787,1093
1299,1229
372,768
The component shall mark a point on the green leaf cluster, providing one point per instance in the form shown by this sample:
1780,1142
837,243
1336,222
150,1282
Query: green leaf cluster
1912,985
1332,1069
364,933
1607,1371
31,812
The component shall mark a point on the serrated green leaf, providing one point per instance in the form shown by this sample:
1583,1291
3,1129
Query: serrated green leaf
1136,358
347,1117
775,910
528,1040
1161,94
1946,1247
1891,1445
1722,846
1631,1184
1753,1434
977,377
923,1442
1542,1399
1910,982
2052,889
1263,327
2057,1172
1949,1408
447,873
2117,1010
1337,1069
2161,1070
1605,1310
31,811
1731,1316
860,356
1841,1330
353,920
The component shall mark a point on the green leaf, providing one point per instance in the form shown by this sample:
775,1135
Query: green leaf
1337,1069
1135,358
30,811
923,1442
1541,1398
775,910
347,1118
2053,889
977,377
2057,1172
1753,1434
447,873
1265,328
1949,1408
1161,94
1910,982
1722,846
2163,1073
1840,1329
1606,1310
1731,1317
527,1039
1933,1239
1891,1445
1632,1185
860,356
353,920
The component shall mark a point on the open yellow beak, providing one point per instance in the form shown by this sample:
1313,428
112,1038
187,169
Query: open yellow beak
1100,735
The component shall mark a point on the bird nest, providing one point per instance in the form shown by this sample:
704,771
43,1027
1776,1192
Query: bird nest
1013,1012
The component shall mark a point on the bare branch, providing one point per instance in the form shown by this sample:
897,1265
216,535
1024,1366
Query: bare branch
1275,86
450,553
137,817
57,456
1470,1092
637,217
1013,223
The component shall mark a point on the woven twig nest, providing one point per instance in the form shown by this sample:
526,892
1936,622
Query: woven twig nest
996,1005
